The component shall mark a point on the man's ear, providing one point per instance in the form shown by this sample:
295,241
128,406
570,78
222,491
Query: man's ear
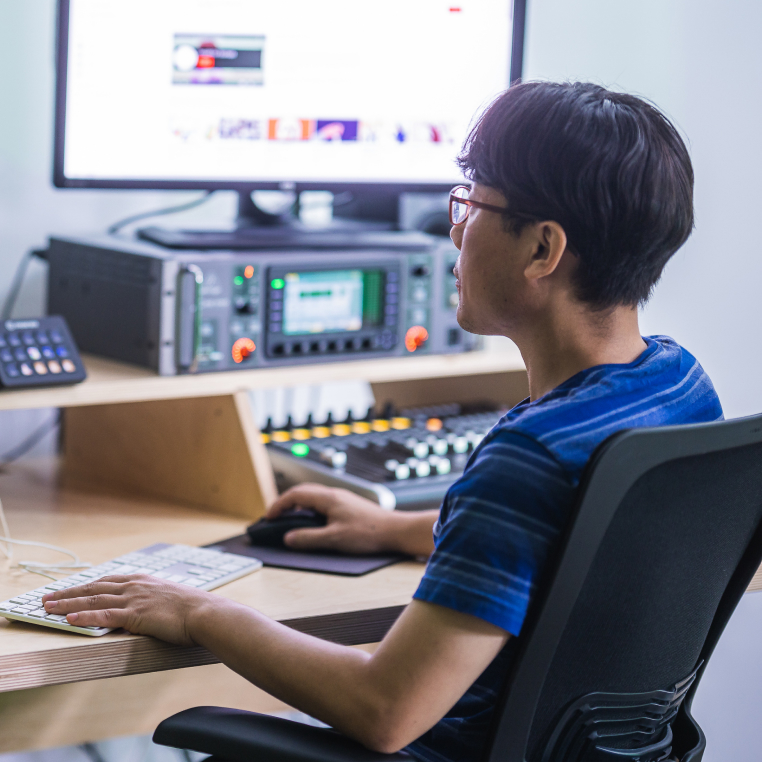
548,243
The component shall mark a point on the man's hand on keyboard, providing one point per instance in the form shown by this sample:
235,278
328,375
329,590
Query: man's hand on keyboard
139,603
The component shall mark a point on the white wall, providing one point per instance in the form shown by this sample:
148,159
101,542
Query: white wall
701,62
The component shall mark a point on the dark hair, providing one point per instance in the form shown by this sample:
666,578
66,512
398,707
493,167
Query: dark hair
608,167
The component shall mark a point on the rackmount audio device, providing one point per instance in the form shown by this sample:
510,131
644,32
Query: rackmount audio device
404,461
382,295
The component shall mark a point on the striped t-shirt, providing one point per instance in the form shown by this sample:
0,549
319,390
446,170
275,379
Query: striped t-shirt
500,521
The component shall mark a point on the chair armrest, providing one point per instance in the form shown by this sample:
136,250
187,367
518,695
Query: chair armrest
239,736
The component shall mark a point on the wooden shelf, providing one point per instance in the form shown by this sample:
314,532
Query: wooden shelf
111,382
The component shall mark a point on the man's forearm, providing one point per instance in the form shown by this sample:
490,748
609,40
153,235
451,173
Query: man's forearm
411,532
325,680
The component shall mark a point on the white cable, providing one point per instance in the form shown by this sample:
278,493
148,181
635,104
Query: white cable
38,567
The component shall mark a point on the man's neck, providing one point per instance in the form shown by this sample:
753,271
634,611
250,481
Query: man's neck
562,345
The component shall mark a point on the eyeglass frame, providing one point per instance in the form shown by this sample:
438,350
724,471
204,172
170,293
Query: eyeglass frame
480,205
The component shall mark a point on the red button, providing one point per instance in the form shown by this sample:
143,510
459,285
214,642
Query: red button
415,337
242,349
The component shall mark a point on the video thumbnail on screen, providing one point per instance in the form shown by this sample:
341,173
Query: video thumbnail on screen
217,59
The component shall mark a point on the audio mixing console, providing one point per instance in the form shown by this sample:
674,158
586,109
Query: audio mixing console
406,460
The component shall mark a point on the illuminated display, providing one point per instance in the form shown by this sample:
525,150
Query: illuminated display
330,301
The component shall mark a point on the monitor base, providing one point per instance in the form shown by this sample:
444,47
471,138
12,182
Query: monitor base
341,235
258,229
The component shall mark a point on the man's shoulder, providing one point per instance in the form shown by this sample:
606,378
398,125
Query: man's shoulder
665,385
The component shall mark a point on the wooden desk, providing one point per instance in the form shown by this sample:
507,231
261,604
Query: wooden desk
38,706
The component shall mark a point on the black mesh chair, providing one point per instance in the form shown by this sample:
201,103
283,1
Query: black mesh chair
665,538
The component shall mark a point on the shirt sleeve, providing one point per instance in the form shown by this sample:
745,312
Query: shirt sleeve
497,529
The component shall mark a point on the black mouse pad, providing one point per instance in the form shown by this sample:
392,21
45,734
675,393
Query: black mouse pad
326,563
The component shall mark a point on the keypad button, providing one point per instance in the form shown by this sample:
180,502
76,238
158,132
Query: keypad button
34,353
20,354
62,351
54,366
25,369
28,338
42,337
3,342
48,353
41,369
6,355
12,370
14,340
55,337
68,366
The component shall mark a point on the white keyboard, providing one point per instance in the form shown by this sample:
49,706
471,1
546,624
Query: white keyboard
201,568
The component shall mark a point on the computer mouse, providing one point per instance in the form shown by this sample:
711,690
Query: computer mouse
269,533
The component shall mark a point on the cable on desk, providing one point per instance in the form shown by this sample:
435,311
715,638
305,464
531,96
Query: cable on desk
117,226
37,567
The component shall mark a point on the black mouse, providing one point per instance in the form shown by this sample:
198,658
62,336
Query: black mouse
268,533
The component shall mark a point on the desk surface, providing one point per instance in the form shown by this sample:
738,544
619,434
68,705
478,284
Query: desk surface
113,382
100,526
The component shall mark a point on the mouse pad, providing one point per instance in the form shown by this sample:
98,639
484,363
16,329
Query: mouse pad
327,563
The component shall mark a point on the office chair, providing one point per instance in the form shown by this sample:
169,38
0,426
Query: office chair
665,538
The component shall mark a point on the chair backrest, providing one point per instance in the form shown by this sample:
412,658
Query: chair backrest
664,540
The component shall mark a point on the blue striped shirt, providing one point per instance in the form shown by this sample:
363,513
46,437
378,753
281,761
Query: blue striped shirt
500,521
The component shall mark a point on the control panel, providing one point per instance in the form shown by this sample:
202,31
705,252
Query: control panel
194,312
38,352
405,459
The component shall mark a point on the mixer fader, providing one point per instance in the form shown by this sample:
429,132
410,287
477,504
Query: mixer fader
406,460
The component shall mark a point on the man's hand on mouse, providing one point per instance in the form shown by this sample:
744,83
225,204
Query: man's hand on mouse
355,524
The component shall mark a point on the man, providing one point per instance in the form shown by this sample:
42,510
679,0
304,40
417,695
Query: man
579,196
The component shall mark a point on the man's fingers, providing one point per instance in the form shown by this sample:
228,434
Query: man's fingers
315,496
101,618
104,585
87,603
310,539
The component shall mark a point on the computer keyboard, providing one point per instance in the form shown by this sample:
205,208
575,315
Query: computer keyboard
201,568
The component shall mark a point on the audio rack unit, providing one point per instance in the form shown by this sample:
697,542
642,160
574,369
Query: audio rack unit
369,295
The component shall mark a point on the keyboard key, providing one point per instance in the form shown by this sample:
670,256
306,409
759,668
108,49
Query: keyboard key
6,355
68,366
38,613
34,353
14,340
12,370
28,338
42,337
55,337
41,369
55,617
20,354
62,351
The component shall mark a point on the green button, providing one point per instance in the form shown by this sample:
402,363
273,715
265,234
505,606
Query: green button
277,283
300,449
238,280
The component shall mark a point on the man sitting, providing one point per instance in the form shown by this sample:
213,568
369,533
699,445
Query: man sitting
578,198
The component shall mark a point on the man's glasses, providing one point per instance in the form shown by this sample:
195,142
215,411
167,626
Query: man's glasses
460,205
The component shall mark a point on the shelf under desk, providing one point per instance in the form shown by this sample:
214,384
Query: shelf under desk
99,526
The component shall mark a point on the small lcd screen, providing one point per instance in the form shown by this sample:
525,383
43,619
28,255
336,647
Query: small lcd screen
331,301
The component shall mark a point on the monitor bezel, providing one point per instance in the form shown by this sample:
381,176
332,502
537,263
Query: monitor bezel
60,180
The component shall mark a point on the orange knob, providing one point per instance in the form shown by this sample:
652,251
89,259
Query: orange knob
242,349
415,337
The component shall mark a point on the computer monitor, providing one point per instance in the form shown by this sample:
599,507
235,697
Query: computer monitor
296,94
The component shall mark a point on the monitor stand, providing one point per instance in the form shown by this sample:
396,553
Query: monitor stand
258,229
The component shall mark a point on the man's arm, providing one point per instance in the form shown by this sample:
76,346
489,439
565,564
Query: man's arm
356,524
385,700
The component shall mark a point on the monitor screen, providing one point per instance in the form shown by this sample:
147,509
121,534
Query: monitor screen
223,93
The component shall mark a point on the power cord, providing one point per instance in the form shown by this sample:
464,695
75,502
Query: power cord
37,567
18,280
117,226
